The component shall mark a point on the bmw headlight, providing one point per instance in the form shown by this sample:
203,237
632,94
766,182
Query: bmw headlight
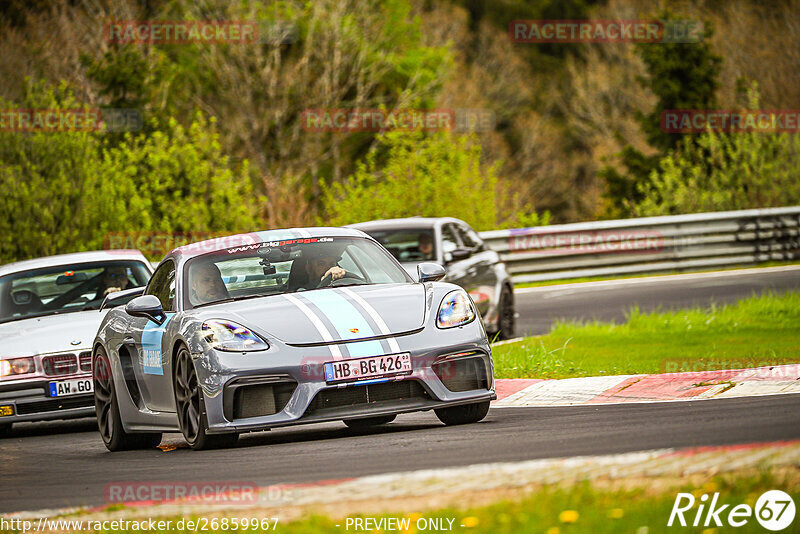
231,337
17,366
456,309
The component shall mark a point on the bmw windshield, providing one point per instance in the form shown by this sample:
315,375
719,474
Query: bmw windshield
288,266
66,288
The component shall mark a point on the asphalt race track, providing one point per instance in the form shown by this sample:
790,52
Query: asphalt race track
539,307
62,464
66,464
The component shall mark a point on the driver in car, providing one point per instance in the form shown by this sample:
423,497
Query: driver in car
318,267
205,284
426,246
114,279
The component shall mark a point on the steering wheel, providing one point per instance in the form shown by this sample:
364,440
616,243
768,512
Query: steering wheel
327,280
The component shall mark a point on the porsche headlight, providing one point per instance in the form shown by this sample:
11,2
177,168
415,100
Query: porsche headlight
455,310
231,337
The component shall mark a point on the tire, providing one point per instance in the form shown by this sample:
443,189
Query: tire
463,415
106,407
5,430
506,315
368,422
191,409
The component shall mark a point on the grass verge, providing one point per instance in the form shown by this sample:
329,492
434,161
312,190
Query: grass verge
754,332
585,508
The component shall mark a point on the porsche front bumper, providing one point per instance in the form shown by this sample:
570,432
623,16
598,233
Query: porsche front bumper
286,386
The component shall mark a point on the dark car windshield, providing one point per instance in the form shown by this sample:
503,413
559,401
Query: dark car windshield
66,288
286,266
407,244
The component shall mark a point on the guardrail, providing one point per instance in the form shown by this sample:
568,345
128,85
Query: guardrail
648,245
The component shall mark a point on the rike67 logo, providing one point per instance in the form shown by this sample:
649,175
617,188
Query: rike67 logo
774,510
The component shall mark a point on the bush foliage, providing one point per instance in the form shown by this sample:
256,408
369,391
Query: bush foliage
725,171
409,174
65,191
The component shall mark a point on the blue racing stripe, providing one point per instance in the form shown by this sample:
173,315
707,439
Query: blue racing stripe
345,318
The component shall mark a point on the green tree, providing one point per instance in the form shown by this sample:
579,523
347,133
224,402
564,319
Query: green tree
439,175
42,176
175,180
682,76
64,191
720,171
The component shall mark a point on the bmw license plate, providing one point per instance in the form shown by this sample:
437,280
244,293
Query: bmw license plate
368,368
65,388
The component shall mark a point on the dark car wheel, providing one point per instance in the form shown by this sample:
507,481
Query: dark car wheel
190,405
367,422
107,409
5,430
506,314
462,415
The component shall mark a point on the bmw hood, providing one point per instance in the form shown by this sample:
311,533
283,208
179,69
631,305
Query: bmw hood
68,332
334,314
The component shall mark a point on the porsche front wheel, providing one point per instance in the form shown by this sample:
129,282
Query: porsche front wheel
106,407
190,405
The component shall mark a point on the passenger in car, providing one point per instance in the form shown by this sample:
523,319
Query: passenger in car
205,284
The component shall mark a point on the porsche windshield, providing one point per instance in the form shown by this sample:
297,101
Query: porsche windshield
287,266
66,288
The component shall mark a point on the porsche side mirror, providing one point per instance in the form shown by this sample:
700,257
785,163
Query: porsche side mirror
430,272
147,306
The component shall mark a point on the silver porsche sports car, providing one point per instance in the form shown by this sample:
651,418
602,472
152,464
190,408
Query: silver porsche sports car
285,327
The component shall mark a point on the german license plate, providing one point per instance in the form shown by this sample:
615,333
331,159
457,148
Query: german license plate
65,388
368,368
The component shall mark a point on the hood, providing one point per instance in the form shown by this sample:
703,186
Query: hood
332,314
52,333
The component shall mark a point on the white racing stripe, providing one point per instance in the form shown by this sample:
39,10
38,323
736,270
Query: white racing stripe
318,324
394,346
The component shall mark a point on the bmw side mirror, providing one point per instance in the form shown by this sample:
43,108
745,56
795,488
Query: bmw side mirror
430,272
147,306
461,254
118,298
